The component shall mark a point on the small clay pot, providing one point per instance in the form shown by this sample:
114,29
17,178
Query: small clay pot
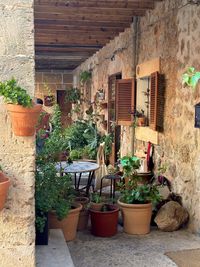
96,206
4,186
141,121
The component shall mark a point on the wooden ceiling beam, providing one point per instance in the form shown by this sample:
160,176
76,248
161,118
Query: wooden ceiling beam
88,17
102,3
85,23
92,10
72,28
86,34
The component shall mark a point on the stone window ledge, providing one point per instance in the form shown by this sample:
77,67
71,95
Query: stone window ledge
146,134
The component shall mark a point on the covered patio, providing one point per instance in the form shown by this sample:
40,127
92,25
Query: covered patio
118,83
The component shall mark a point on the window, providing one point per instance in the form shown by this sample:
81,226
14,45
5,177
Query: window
125,101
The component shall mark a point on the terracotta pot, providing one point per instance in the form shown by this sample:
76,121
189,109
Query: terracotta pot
84,213
144,177
83,201
69,224
104,223
96,206
4,186
141,121
136,218
24,120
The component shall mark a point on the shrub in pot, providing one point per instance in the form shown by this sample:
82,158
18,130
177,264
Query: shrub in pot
104,222
96,202
54,192
24,113
4,186
84,213
136,206
129,166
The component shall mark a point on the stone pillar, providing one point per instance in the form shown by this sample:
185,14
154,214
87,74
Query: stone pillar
17,154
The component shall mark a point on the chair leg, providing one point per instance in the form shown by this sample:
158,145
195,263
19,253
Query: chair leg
101,186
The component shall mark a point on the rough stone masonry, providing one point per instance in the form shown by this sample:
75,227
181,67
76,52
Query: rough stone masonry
17,154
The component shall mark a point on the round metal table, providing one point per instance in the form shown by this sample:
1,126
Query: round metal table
77,168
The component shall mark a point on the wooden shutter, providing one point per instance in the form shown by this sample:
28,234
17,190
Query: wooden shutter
156,102
125,101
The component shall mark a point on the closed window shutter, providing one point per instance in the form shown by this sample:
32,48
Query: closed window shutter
125,101
156,102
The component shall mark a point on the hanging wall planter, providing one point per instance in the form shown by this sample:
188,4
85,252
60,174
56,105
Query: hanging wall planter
24,113
24,120
4,186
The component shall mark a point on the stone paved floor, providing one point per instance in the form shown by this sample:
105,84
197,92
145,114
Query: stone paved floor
125,250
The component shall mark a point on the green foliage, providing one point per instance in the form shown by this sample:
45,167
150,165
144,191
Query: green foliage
53,191
56,143
73,95
96,198
76,154
14,94
139,194
129,165
108,140
85,76
191,77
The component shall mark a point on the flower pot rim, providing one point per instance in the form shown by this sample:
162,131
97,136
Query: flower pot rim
77,208
123,204
116,208
20,108
4,179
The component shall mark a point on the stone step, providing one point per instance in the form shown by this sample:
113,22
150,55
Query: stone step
56,254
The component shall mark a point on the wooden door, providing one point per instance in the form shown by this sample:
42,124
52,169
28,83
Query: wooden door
65,108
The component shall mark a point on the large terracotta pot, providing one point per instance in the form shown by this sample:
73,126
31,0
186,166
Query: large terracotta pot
24,120
4,186
69,224
84,213
104,223
136,218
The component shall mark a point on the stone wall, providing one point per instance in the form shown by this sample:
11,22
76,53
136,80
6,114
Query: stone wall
171,32
17,154
47,83
114,58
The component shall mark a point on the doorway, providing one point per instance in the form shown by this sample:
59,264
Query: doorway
65,108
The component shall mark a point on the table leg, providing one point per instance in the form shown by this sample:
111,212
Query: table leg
79,179
90,177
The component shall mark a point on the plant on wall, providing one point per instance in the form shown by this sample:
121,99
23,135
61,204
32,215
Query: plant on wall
73,95
191,77
85,76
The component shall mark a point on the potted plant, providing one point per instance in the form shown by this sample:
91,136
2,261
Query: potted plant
24,113
54,193
104,222
136,206
141,119
96,202
129,165
85,76
73,95
84,213
4,186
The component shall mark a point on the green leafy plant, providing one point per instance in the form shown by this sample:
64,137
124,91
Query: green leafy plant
129,165
73,95
14,94
96,198
191,77
53,191
76,154
139,194
85,76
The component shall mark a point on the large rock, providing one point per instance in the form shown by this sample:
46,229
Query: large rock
171,216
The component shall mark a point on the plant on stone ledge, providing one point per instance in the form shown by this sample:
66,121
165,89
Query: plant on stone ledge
191,77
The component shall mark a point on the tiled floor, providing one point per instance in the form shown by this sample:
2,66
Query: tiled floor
125,250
